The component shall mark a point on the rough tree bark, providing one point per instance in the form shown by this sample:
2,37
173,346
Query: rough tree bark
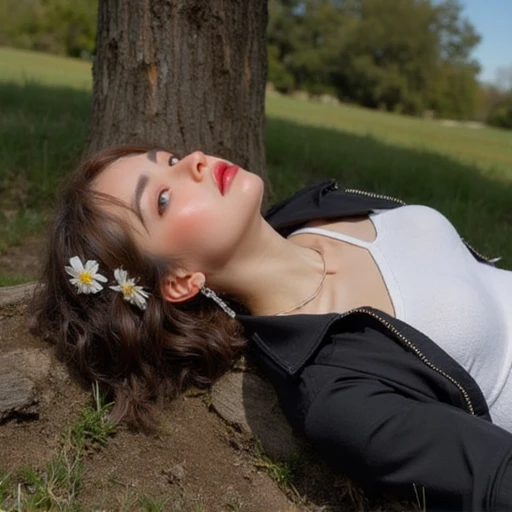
184,74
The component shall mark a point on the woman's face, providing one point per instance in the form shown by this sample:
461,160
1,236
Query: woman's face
194,210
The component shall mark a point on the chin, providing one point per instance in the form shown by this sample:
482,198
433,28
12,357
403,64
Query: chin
252,186
248,204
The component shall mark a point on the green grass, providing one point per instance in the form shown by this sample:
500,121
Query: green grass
281,471
488,148
15,280
44,106
152,505
58,486
21,66
466,173
22,223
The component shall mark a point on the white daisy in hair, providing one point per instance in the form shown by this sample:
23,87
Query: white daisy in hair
131,293
85,277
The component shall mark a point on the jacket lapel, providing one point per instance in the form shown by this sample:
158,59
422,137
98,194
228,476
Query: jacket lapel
322,201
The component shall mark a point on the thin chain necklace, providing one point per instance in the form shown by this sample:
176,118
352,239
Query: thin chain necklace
315,293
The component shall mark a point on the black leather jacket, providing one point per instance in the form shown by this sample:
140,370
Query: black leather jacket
379,399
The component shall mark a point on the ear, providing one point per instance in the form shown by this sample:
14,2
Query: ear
182,285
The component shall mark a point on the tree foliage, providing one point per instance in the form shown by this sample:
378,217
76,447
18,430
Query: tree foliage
499,104
65,27
410,56
498,100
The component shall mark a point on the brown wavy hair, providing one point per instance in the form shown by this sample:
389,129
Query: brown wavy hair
136,356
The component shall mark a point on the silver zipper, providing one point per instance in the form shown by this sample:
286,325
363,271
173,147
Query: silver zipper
375,196
417,351
479,254
389,198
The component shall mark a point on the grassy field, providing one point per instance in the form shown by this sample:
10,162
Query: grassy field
488,148
22,66
466,173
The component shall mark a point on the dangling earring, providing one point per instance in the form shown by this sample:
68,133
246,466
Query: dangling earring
208,292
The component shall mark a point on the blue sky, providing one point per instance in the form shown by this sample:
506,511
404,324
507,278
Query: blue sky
493,21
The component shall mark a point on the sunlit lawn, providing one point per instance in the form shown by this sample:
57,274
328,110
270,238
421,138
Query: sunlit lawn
489,148
21,66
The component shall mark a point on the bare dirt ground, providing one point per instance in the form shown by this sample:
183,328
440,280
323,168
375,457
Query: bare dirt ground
194,463
23,260
197,463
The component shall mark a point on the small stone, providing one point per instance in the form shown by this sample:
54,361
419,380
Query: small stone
249,402
17,394
15,294
20,370
176,474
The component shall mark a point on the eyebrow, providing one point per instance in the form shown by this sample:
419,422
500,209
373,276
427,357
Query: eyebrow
139,190
151,154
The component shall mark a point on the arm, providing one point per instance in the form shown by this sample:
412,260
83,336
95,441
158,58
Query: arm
378,436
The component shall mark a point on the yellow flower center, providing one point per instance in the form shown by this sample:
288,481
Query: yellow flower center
85,277
127,290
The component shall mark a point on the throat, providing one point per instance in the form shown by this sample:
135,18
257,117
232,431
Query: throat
295,285
314,295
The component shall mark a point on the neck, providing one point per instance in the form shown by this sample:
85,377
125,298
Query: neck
270,274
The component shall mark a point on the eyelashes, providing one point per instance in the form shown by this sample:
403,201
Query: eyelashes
164,197
174,159
163,201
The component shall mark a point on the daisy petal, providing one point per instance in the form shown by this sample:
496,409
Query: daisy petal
96,287
91,266
76,263
71,271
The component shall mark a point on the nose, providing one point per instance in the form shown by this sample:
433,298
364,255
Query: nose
197,164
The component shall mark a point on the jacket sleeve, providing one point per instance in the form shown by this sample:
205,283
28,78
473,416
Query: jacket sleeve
378,436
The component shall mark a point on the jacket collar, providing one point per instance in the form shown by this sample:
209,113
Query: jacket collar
288,340
323,201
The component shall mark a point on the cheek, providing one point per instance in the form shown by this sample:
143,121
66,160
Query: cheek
194,225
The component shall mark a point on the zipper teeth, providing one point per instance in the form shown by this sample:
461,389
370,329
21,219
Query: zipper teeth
376,196
418,352
390,198
474,251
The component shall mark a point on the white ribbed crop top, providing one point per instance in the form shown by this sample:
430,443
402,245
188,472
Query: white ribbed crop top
438,287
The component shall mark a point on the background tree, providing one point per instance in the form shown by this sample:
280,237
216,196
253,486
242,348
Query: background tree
407,57
498,99
62,27
185,74
410,56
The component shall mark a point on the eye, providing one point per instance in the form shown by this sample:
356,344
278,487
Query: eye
173,160
163,201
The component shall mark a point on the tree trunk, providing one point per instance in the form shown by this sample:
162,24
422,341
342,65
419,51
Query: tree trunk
183,74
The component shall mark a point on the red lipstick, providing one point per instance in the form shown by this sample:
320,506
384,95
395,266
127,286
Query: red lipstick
224,173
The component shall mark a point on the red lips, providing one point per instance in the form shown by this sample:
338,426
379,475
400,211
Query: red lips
224,173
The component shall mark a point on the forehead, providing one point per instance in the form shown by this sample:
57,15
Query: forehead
120,178
120,181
